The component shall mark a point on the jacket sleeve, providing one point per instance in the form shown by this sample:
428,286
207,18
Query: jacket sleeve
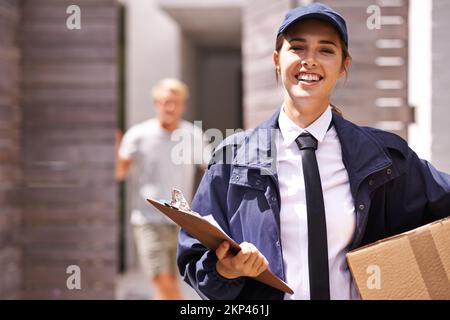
428,183
196,263
437,190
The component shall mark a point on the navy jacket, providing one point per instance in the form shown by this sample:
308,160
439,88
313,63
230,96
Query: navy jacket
393,191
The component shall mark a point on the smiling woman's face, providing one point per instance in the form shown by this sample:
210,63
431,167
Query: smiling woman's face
310,60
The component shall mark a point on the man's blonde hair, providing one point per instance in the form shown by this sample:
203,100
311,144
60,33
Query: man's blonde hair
172,85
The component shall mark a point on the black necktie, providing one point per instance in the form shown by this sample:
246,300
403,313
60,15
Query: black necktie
317,229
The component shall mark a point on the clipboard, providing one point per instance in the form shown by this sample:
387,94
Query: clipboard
211,236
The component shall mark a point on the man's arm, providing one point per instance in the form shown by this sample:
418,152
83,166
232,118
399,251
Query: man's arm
122,168
122,164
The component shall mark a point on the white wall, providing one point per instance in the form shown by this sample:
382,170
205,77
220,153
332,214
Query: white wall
152,53
440,115
420,76
429,78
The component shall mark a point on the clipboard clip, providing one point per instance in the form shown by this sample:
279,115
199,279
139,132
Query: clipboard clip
179,202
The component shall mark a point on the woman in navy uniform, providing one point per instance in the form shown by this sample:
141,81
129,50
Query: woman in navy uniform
262,189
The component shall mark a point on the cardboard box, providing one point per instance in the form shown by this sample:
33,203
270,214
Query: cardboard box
411,265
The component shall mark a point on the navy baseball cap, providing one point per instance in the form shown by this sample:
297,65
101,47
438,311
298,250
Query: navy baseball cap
319,11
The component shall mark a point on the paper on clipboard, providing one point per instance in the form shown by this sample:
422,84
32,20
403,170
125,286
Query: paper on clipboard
209,233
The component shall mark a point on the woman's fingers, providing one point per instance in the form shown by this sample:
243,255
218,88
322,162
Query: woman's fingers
222,250
263,266
253,260
258,262
248,262
246,252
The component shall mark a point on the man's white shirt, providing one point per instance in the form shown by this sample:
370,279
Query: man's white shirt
162,160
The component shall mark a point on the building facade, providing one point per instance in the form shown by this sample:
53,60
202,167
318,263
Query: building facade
58,107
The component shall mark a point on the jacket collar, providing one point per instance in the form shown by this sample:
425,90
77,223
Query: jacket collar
361,152
258,150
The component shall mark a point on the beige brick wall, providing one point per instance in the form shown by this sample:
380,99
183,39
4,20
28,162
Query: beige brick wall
10,170
69,102
261,20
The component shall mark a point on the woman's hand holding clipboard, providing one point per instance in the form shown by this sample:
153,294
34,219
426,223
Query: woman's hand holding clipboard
208,232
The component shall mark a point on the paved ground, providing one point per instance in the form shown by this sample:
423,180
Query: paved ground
134,286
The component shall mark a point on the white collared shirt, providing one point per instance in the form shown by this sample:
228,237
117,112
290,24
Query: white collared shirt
339,206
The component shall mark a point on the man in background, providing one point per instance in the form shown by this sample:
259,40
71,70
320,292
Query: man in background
163,153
